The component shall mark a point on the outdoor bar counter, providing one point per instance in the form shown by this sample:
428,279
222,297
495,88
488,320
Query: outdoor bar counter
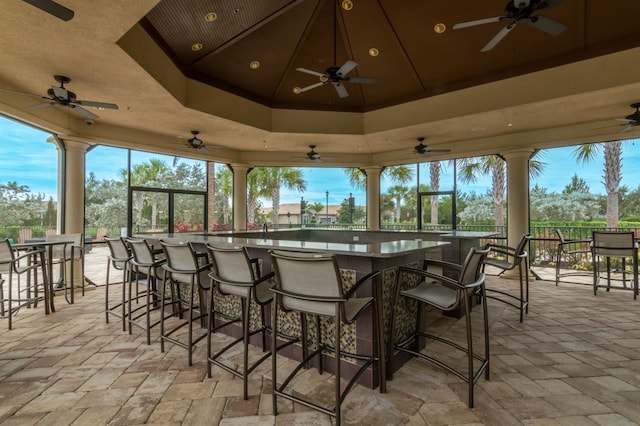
356,259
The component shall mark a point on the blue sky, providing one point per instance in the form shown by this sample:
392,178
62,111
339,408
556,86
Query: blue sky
27,158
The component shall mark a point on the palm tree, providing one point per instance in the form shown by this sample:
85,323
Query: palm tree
397,174
224,191
612,172
255,190
273,178
153,174
398,193
493,165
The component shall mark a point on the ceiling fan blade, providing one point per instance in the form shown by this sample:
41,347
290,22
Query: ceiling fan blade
342,92
316,73
346,68
52,8
498,37
361,80
478,22
104,105
87,114
38,106
313,86
628,128
547,25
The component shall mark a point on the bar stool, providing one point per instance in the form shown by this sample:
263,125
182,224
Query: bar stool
567,248
234,273
507,258
186,278
446,294
11,264
311,284
147,269
620,245
118,258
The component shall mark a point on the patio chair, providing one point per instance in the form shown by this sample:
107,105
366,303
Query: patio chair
11,263
187,278
433,289
66,255
576,249
146,267
235,274
507,258
311,284
100,234
118,258
621,245
24,234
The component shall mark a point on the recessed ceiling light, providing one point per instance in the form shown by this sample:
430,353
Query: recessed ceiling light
196,46
211,16
439,28
297,90
374,52
254,65
347,4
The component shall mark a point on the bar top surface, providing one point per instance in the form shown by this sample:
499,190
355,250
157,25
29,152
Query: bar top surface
382,249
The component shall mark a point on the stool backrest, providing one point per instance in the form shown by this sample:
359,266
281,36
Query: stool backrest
308,282
613,243
232,264
119,253
182,262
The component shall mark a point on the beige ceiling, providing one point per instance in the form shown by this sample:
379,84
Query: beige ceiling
531,91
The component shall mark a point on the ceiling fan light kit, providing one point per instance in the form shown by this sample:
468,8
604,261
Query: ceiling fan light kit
195,142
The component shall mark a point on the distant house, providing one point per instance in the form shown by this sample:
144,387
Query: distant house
290,214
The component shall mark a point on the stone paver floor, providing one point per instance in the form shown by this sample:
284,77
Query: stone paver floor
574,361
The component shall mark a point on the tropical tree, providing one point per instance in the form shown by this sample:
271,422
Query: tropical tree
577,185
397,174
224,191
255,190
398,193
470,168
612,172
315,208
154,174
274,178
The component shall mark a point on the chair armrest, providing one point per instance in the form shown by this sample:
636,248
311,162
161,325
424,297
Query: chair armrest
440,263
307,297
361,281
442,278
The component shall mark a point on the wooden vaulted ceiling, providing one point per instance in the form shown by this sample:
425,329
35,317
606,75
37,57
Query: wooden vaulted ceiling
413,61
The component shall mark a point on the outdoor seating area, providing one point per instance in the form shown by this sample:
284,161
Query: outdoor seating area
564,364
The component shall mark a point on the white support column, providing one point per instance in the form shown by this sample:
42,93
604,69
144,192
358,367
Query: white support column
373,197
517,195
239,196
74,186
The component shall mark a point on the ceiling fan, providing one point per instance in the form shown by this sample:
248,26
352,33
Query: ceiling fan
52,8
61,96
313,155
632,120
335,75
518,11
423,149
196,143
